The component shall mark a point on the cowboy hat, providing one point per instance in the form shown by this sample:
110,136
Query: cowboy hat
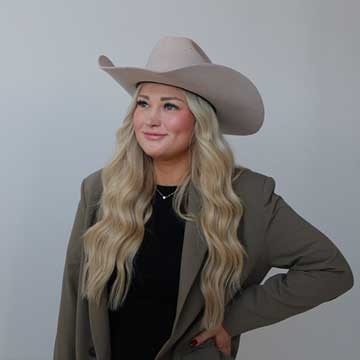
180,62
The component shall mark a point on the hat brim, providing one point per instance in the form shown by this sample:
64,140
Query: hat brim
238,103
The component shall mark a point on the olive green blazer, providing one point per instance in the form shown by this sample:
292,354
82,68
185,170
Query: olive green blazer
273,234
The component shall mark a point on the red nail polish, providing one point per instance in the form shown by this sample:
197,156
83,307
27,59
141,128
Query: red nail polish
194,342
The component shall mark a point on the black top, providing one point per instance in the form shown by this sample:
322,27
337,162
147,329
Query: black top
142,325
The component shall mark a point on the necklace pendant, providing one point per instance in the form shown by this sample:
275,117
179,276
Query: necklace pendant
164,197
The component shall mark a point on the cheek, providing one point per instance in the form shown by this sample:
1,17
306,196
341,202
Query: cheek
183,123
137,120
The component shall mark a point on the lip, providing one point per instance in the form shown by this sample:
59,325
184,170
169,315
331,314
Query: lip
154,136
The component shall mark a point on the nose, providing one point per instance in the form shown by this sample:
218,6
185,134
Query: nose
153,117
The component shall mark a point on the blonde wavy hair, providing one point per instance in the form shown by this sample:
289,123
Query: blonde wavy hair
128,187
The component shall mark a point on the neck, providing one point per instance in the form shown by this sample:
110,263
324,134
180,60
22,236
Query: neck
169,172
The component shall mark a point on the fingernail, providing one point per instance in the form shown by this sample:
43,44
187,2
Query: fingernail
194,342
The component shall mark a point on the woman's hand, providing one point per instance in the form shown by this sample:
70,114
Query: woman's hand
221,337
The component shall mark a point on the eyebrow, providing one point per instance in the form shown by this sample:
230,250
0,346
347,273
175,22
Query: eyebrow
164,98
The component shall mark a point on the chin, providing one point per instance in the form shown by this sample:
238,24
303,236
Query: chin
151,153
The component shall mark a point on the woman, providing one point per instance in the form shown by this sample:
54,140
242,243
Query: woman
171,239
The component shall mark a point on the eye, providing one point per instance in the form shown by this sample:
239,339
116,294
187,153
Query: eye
140,102
174,106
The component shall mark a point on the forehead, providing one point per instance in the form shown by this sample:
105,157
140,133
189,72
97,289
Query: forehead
156,89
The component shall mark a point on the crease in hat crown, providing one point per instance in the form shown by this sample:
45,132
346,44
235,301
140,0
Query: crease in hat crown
175,52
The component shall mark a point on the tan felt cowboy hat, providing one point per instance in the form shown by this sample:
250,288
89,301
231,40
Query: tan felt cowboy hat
180,62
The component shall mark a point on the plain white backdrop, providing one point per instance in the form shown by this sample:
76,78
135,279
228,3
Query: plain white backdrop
59,113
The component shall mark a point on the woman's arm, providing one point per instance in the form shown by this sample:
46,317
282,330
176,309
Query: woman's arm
318,271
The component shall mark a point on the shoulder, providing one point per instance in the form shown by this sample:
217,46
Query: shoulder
92,187
251,180
253,187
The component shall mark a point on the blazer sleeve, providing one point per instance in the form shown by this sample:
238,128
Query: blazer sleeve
64,347
318,271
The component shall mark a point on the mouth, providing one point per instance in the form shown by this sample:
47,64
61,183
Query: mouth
154,136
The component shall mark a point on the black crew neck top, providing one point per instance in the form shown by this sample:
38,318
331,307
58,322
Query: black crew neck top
142,325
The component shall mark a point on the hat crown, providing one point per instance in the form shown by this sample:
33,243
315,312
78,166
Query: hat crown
175,52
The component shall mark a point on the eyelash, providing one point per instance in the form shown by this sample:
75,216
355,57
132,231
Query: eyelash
144,102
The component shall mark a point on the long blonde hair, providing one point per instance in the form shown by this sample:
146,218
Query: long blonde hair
128,187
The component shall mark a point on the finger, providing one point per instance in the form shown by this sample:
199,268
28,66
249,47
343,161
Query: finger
226,350
198,339
222,341
223,344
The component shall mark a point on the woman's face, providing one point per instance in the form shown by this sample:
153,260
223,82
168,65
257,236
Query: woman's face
162,109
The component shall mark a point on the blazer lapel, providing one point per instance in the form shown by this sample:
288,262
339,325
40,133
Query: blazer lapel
193,254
